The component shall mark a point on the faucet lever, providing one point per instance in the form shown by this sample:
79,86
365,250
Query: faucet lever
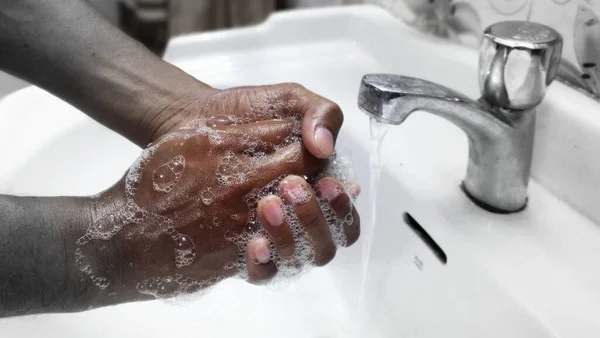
517,62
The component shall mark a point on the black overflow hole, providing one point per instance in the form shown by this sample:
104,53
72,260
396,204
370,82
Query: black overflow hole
424,236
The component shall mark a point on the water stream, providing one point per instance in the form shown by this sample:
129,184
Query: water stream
378,131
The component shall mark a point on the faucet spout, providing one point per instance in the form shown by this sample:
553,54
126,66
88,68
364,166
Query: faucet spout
500,141
392,98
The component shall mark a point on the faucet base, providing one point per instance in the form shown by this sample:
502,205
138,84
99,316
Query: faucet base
488,207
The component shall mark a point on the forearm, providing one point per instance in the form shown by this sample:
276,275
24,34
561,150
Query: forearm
66,48
37,263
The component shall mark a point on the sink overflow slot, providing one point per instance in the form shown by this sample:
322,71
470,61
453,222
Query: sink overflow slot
424,236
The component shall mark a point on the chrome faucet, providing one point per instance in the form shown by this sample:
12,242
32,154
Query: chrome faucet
517,62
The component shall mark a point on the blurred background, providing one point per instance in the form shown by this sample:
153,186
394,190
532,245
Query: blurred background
154,22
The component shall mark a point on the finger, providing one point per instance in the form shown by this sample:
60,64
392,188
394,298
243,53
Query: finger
321,121
353,190
258,136
321,118
347,220
270,215
293,159
259,266
297,193
261,136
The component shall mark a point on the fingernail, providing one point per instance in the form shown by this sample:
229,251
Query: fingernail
324,140
294,191
273,213
353,190
328,189
261,251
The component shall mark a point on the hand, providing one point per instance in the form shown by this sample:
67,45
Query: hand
321,119
220,192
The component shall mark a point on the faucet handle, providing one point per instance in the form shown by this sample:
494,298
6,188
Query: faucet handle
517,62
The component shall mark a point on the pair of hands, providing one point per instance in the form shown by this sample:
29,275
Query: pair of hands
222,190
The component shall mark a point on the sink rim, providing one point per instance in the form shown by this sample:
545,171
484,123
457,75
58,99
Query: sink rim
451,199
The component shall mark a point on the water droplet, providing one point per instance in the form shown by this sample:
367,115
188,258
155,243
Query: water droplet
184,243
83,263
167,175
105,226
167,287
163,179
177,164
207,196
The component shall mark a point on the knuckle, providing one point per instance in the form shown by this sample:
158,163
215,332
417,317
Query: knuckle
334,110
333,107
312,220
293,87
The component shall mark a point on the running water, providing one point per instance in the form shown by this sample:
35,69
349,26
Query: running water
378,131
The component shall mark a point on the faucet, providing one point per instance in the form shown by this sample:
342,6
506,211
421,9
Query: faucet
517,62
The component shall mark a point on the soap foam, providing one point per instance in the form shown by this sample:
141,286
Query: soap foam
176,285
233,170
84,265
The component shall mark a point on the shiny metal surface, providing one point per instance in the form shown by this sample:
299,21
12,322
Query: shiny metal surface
500,139
517,62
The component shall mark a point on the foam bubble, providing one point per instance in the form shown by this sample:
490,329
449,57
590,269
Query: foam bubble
338,236
207,196
84,265
176,285
232,170
82,262
298,194
185,249
133,177
109,225
167,175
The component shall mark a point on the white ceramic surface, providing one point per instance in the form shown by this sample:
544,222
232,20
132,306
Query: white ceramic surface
531,274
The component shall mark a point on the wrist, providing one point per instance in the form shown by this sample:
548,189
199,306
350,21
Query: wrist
81,293
178,95
88,267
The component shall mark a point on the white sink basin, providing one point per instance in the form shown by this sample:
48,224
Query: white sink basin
530,274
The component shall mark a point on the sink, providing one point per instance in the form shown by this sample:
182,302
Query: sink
529,274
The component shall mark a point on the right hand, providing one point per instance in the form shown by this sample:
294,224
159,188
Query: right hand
188,213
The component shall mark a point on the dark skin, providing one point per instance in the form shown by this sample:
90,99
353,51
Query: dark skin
67,49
